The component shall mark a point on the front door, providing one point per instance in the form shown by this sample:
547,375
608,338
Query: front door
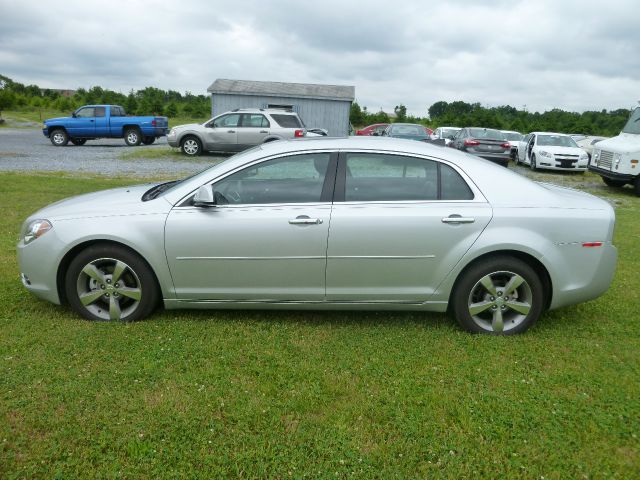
83,124
399,225
221,134
265,240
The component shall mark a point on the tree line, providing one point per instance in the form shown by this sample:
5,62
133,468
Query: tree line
151,100
463,114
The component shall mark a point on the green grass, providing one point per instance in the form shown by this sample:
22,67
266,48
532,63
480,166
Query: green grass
313,395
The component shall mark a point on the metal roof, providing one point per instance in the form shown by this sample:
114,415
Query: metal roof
281,89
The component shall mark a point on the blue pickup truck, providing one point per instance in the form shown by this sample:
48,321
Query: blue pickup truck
104,121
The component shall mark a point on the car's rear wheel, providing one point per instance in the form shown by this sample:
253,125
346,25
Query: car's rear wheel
59,137
79,141
148,140
132,137
534,165
614,183
191,146
109,282
498,296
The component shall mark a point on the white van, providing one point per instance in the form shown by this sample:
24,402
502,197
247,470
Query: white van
617,160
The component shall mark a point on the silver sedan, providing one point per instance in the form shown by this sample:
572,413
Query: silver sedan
352,223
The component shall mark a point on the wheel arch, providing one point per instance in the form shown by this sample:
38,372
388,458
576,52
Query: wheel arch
272,138
130,126
525,257
63,266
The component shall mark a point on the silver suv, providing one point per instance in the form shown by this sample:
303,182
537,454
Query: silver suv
236,130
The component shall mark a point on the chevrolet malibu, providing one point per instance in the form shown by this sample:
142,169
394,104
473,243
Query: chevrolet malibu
352,223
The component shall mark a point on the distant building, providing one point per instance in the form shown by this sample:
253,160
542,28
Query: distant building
319,106
63,93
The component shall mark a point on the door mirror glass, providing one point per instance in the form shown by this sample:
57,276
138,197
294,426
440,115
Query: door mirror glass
204,197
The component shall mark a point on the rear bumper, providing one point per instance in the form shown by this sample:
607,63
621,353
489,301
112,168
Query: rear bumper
155,131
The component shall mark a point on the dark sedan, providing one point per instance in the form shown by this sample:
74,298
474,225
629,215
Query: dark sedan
411,131
483,142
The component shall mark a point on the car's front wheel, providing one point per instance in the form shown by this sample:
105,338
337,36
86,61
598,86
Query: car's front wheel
534,165
614,183
109,282
498,296
191,146
59,137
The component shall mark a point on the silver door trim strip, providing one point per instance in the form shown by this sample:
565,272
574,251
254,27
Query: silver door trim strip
381,257
254,258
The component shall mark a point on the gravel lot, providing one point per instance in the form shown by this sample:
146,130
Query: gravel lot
26,149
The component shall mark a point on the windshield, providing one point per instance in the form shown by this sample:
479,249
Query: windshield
486,133
633,125
446,132
513,136
556,141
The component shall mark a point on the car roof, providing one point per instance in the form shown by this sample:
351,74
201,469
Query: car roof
550,133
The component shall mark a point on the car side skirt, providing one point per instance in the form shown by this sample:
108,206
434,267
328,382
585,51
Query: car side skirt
172,304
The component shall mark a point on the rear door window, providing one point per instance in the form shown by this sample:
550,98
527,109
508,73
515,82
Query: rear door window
99,111
287,121
254,120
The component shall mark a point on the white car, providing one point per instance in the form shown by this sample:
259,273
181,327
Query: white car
553,151
445,133
587,143
513,138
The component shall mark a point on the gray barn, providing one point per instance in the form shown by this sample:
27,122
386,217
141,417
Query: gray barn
319,106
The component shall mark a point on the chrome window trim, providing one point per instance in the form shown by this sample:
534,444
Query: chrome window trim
478,196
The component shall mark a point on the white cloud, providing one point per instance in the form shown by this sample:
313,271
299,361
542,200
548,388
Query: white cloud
545,54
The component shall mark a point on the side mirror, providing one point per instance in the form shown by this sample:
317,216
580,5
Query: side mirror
73,114
204,197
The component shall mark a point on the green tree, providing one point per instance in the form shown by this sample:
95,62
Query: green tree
401,113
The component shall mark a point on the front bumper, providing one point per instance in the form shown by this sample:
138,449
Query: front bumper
45,132
172,139
549,163
38,263
627,177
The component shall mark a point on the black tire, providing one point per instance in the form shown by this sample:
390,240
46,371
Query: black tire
79,141
148,140
132,137
636,186
59,137
191,146
527,297
534,166
92,274
614,183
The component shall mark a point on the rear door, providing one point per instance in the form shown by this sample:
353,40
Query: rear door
399,225
253,129
222,133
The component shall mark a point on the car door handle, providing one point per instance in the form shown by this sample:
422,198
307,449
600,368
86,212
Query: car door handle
458,219
305,220
264,131
231,131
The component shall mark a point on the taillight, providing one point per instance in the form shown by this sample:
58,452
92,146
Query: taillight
591,244
298,133
471,143
153,123
506,145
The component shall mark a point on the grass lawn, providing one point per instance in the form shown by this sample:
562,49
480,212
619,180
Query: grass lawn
314,395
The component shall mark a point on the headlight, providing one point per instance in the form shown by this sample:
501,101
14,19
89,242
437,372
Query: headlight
583,156
617,157
36,229
172,131
545,154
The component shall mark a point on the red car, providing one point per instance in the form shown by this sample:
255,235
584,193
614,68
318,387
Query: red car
376,128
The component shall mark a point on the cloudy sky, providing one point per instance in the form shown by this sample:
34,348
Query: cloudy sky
574,55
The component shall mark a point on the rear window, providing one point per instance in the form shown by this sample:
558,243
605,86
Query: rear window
487,133
287,121
100,111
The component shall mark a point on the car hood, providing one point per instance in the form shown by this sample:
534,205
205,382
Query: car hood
57,119
189,126
106,203
623,143
561,150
